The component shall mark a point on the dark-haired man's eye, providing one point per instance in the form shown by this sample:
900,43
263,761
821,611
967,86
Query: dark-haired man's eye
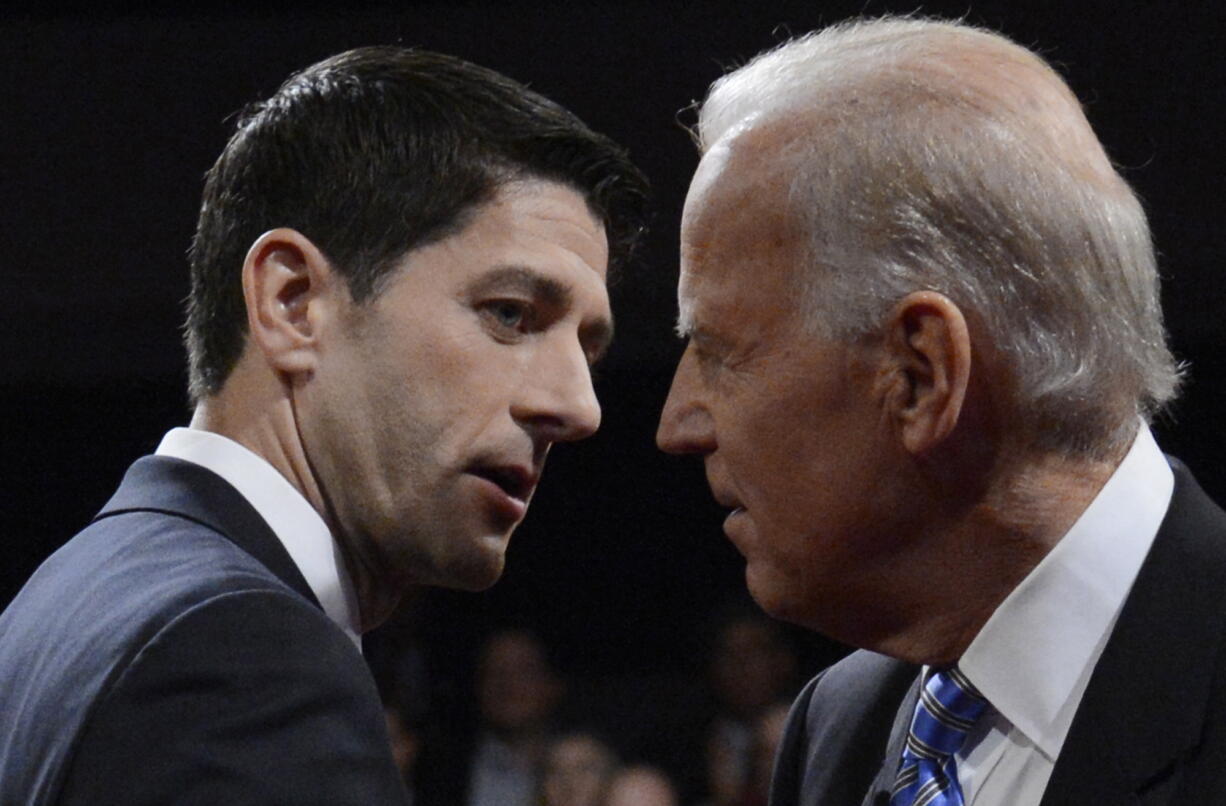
509,314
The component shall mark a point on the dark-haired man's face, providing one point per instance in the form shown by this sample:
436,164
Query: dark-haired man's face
429,418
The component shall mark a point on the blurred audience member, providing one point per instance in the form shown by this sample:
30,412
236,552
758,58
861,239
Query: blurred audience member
768,732
517,692
752,666
577,770
405,736
640,785
495,763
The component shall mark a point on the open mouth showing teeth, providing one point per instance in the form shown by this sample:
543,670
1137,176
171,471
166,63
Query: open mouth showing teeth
511,482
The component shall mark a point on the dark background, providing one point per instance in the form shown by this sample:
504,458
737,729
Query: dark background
107,125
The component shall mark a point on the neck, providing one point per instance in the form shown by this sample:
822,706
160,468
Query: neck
970,563
256,410
259,416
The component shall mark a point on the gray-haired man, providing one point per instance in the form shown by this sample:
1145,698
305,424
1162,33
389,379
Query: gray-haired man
924,344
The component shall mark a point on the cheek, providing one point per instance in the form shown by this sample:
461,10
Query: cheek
433,392
465,372
779,458
821,463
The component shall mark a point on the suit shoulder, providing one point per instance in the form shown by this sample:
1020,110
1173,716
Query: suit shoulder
854,685
861,669
838,729
248,626
87,612
117,583
272,696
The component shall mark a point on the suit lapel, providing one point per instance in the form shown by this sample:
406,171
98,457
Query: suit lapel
1146,701
175,487
839,738
883,784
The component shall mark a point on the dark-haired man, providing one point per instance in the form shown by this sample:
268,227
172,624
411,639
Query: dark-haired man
398,287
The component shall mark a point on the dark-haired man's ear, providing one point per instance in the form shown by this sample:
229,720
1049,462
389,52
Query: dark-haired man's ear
930,346
288,285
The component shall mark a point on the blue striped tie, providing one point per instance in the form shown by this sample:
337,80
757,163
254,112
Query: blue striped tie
948,706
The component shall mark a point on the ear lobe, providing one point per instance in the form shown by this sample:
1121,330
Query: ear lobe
931,346
286,280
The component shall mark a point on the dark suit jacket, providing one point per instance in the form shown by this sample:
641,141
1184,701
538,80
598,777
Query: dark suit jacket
1151,728
171,653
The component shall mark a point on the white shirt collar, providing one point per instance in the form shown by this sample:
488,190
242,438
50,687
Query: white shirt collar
1034,656
290,516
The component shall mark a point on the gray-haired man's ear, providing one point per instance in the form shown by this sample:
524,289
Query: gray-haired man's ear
929,343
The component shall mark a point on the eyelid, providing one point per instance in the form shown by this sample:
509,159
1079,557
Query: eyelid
538,315
699,343
708,355
523,304
528,315
709,343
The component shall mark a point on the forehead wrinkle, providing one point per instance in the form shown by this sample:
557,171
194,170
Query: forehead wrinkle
731,225
591,230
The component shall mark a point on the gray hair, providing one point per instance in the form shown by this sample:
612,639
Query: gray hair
922,154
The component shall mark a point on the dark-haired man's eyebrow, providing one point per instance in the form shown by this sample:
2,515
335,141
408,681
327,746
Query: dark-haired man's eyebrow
525,281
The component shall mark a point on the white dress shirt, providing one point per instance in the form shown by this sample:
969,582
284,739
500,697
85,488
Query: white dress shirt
290,516
1034,656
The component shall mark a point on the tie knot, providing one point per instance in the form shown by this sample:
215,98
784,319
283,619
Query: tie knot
947,709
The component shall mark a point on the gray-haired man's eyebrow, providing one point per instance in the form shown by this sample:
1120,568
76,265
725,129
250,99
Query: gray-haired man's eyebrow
685,322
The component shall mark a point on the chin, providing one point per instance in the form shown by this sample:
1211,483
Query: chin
764,593
479,569
773,597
